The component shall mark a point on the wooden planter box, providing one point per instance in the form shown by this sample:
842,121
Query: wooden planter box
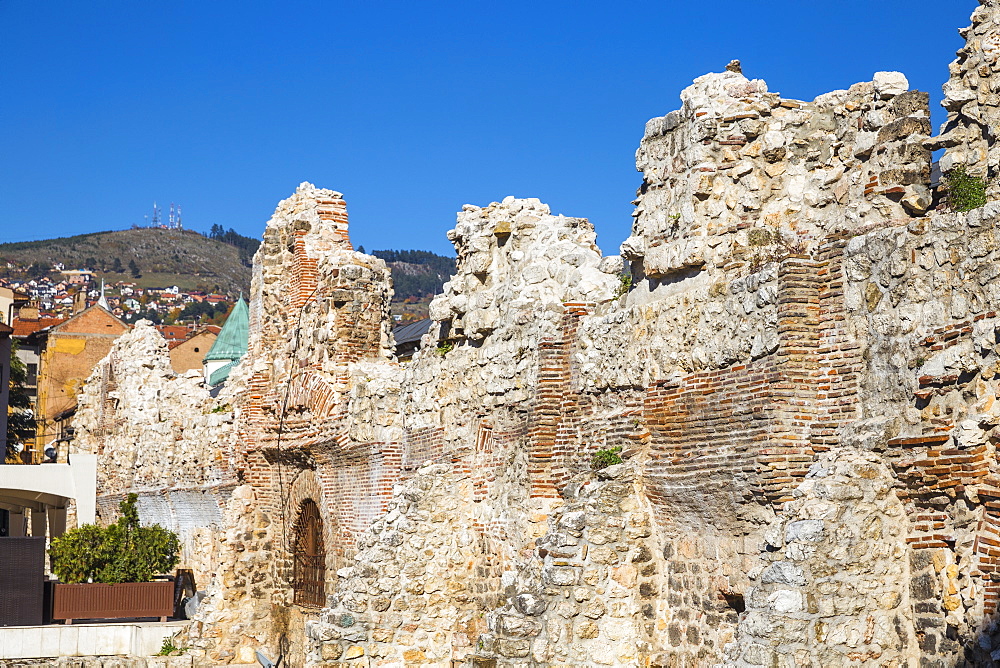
113,601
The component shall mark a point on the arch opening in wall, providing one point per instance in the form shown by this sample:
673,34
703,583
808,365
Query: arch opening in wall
309,557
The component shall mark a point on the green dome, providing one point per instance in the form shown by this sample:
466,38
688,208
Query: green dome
231,344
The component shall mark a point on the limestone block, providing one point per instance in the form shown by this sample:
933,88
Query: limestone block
890,84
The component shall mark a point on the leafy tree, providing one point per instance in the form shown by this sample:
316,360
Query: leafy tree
437,270
117,267
121,552
148,314
134,268
203,311
37,270
247,246
80,554
20,421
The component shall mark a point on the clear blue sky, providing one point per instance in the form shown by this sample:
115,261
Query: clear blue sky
411,109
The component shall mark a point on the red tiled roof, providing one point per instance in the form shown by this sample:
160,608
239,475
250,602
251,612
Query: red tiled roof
173,332
211,329
26,327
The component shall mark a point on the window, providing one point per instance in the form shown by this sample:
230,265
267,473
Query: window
309,557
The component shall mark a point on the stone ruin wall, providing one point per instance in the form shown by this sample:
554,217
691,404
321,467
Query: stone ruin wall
801,376
160,435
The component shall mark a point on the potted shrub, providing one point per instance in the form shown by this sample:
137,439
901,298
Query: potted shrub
106,572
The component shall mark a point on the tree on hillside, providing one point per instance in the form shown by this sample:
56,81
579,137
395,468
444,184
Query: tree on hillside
436,270
117,266
36,270
148,314
134,268
203,311
246,246
20,421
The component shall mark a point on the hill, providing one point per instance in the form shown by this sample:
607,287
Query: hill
218,262
150,257
416,277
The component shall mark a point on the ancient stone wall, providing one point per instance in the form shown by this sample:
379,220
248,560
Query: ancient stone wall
738,172
590,593
162,436
420,582
971,98
835,589
800,378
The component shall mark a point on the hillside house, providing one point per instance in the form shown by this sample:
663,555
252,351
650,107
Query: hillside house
189,353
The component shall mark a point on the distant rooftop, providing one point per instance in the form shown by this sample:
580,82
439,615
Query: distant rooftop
411,331
408,337
231,344
26,327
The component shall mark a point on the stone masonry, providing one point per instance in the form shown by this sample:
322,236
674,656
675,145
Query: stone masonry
801,373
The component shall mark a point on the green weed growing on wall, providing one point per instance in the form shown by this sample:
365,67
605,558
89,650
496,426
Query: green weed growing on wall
604,458
965,191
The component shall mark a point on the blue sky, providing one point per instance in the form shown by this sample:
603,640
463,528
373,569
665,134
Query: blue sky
411,109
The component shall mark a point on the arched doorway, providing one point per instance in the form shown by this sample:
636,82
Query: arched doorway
309,557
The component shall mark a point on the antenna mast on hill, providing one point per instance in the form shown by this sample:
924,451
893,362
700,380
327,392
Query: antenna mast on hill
156,216
179,226
170,223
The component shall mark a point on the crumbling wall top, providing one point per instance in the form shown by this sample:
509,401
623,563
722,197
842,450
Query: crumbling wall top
152,427
308,278
737,165
518,263
972,98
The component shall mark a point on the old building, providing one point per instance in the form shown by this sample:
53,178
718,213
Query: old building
407,338
67,353
11,302
5,356
189,352
29,334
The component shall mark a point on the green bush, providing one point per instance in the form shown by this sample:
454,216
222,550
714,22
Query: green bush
624,285
965,191
121,552
604,458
